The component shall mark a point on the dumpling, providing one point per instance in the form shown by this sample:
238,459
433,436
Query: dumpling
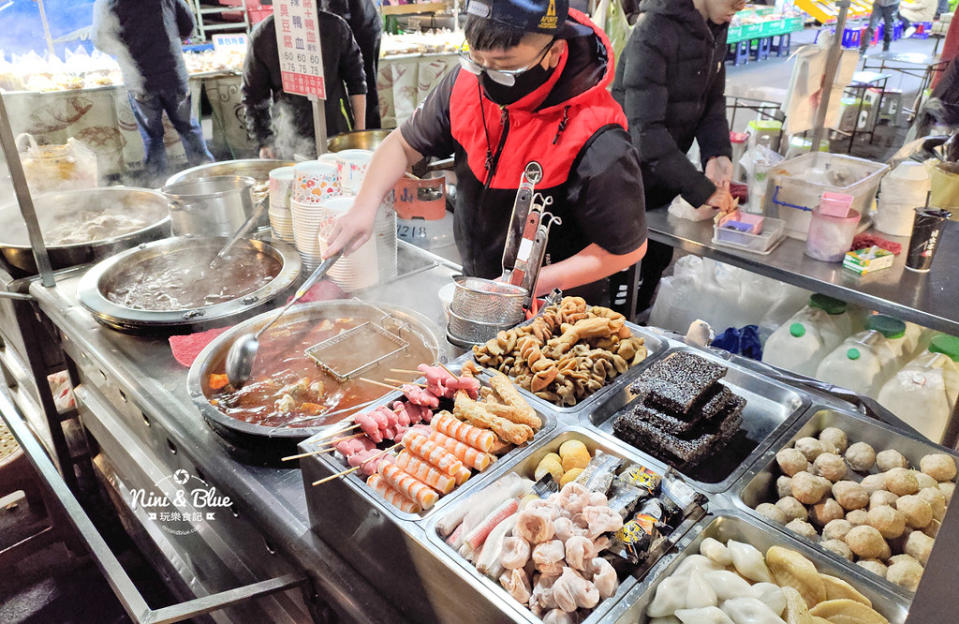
669,619
750,611
558,616
770,595
749,562
728,584
670,596
716,551
692,562
699,593
706,615
604,577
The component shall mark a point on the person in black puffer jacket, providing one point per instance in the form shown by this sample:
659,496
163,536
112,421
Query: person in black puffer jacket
670,82
144,36
367,26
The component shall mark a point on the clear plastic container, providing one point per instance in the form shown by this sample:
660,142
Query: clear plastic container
830,237
796,186
923,394
800,344
901,192
757,243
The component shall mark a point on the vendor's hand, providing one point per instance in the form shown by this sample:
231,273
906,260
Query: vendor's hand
722,199
267,152
719,170
351,230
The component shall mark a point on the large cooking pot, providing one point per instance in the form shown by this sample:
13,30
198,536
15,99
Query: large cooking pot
215,206
258,443
181,256
91,224
257,168
360,139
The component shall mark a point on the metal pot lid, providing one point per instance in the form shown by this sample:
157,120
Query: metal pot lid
91,296
208,188
210,360
257,168
59,207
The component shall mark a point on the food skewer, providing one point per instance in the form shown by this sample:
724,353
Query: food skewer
398,381
360,466
379,383
325,450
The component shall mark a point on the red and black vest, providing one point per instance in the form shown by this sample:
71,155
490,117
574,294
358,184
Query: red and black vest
494,143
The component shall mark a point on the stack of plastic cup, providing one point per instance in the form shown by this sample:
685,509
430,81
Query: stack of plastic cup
353,164
306,224
281,188
315,181
384,232
359,269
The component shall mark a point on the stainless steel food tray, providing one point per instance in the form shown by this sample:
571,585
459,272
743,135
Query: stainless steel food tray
732,525
758,484
525,465
611,393
771,408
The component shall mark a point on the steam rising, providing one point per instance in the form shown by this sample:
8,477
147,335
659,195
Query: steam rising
287,138
106,38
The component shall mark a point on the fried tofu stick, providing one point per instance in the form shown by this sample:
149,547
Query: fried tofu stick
523,413
477,415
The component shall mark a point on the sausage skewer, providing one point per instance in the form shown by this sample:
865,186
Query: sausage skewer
346,472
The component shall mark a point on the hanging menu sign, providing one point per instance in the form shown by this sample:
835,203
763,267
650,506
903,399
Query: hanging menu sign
298,40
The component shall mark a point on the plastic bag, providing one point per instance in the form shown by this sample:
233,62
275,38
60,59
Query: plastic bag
684,210
744,342
58,167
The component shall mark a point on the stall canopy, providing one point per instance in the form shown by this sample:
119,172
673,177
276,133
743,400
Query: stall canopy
22,25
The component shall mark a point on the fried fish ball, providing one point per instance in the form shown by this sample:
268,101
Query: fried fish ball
919,545
932,529
866,542
574,454
784,486
906,574
791,461
874,482
810,447
858,517
939,466
901,481
835,437
890,522
551,464
873,565
830,466
801,527
771,512
826,511
839,547
936,500
861,457
836,529
917,511
924,480
793,509
947,489
882,497
889,459
850,495
898,558
808,488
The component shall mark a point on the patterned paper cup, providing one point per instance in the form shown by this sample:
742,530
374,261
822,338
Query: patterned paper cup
315,181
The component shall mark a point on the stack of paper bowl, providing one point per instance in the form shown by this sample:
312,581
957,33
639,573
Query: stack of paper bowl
307,219
357,270
353,164
315,181
281,188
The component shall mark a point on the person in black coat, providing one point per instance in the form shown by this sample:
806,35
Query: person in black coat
144,36
282,123
367,26
670,82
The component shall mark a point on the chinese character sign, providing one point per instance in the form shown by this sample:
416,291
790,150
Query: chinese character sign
298,39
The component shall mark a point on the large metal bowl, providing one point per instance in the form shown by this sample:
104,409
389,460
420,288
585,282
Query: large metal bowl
95,285
56,206
264,444
257,168
360,139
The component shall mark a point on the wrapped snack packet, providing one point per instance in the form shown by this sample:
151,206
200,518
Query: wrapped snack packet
599,473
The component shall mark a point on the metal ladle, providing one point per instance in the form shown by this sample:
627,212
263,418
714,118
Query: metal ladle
239,359
243,231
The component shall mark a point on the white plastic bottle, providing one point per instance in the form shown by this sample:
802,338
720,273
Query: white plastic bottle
923,394
802,342
857,364
897,346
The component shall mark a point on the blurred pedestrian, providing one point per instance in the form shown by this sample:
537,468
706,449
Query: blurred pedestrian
887,11
366,24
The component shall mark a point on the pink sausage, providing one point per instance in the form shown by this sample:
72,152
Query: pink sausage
482,530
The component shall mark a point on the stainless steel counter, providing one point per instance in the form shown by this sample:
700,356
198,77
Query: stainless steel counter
134,401
928,299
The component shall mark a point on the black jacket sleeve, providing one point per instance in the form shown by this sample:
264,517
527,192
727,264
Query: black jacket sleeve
184,18
642,90
428,130
351,62
257,91
713,131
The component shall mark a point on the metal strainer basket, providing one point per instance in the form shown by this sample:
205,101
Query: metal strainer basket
487,302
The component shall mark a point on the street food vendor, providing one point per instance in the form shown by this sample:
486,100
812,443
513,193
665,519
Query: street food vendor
282,123
531,88
671,82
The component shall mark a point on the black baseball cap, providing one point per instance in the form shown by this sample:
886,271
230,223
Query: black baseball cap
549,17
